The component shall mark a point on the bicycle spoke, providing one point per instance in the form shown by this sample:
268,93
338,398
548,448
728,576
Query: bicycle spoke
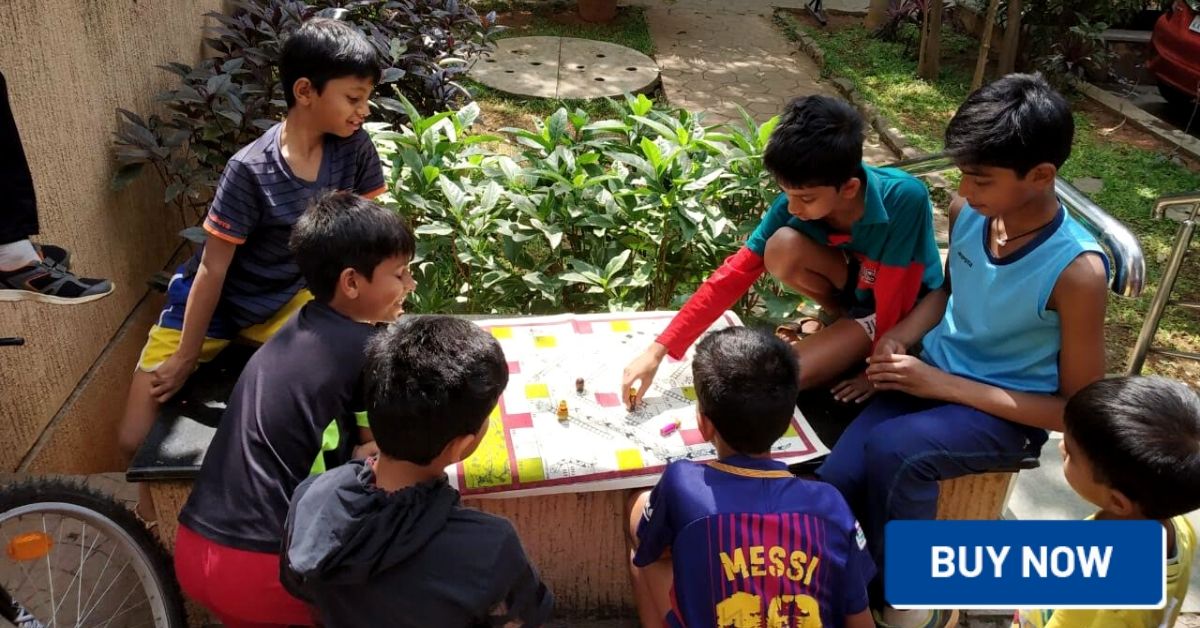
122,605
78,576
50,579
99,578
144,602
106,590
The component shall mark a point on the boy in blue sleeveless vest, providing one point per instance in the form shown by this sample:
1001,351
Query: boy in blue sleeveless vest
1017,328
244,281
1132,449
740,541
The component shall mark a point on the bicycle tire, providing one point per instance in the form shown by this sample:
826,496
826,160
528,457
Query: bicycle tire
43,495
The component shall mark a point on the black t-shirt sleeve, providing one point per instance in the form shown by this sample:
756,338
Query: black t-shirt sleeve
292,581
523,600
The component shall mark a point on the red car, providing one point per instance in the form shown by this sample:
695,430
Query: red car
1176,52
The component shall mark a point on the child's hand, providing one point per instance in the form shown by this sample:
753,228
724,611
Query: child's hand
365,450
640,372
889,346
908,374
170,376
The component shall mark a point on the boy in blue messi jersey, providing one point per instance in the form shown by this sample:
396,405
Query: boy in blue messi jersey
856,239
293,412
740,541
1132,449
1017,329
244,281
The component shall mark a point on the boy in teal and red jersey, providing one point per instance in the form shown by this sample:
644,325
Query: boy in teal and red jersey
856,239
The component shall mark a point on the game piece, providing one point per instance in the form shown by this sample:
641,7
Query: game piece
632,398
670,428
579,385
563,413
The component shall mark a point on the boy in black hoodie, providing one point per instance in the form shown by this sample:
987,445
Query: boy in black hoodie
385,541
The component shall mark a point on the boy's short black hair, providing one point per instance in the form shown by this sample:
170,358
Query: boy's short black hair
746,384
324,49
1014,122
429,380
818,142
341,230
1142,436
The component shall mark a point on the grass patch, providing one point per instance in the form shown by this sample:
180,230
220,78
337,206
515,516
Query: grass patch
1135,170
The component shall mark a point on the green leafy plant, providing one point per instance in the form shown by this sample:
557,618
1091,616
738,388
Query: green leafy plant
231,97
575,214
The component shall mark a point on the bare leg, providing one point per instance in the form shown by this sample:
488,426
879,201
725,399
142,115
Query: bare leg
817,271
829,353
652,583
140,412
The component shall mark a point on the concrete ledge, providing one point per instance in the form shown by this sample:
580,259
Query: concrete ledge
1141,119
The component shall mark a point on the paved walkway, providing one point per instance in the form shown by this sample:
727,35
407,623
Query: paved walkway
718,54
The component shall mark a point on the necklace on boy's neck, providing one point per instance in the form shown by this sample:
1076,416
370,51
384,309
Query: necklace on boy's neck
1005,239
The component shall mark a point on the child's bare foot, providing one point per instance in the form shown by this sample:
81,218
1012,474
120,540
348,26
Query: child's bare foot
854,390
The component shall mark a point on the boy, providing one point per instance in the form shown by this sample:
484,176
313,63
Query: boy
385,542
740,541
856,239
1132,449
243,281
291,411
1017,329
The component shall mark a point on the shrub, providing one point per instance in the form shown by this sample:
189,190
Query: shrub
231,97
575,215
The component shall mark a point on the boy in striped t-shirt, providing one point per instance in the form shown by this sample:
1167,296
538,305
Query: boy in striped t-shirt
243,281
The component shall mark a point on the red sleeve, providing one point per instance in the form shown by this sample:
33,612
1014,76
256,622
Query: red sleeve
896,289
721,290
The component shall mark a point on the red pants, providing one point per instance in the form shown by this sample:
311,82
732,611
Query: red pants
241,588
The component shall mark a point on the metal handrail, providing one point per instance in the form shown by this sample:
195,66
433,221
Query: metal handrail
1124,251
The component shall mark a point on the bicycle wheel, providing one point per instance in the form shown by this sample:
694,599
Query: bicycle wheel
76,557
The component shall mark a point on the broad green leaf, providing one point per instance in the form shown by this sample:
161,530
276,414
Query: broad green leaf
556,124
493,277
434,228
431,173
491,194
468,114
764,131
615,264
652,153
454,194
641,165
658,127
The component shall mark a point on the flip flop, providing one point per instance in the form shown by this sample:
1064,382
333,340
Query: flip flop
794,331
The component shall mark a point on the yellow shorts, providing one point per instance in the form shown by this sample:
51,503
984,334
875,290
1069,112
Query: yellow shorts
163,342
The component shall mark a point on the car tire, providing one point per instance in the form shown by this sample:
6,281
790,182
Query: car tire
1175,96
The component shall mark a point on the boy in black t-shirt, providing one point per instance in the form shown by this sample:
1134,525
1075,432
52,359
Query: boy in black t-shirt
385,542
292,411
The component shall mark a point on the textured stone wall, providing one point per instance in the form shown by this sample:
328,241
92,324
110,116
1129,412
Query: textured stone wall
69,64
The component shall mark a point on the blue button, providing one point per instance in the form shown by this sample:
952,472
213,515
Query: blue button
1025,564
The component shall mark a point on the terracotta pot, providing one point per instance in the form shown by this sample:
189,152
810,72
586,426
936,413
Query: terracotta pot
598,10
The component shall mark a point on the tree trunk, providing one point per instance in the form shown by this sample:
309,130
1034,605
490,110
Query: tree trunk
929,63
989,23
876,15
1012,38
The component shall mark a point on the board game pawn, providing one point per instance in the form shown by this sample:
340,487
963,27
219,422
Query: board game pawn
579,385
670,428
563,413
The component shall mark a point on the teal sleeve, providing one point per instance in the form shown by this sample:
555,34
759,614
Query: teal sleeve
776,217
912,238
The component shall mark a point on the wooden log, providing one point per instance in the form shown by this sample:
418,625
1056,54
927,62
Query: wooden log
989,24
1012,38
976,496
876,15
929,62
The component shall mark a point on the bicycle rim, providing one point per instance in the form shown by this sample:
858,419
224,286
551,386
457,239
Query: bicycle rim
94,574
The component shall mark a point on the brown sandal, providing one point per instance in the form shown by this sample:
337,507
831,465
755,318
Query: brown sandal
795,331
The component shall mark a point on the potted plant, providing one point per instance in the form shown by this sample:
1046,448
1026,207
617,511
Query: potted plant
598,11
